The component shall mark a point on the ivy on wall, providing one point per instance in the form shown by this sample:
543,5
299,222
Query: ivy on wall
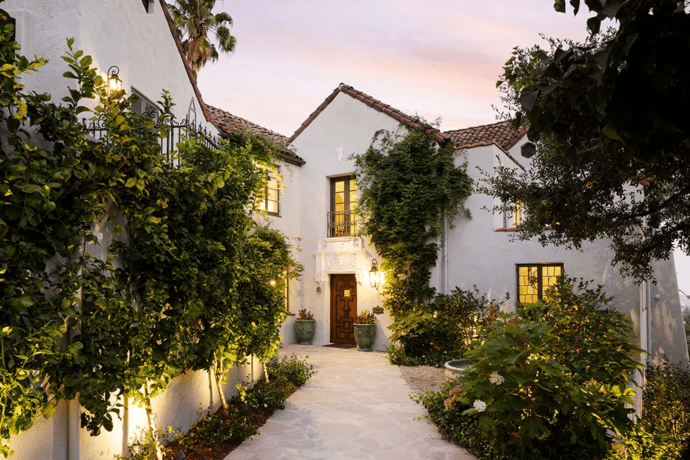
191,281
409,184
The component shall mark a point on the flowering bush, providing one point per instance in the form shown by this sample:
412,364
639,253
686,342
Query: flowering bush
305,314
554,384
365,318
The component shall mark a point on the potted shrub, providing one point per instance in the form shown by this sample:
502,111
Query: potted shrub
365,330
305,326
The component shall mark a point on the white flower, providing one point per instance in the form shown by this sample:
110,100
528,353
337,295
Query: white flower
496,379
479,405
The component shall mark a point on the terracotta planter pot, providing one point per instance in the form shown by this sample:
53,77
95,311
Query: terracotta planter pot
304,331
365,334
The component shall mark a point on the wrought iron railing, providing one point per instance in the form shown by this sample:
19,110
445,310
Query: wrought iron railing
342,223
177,131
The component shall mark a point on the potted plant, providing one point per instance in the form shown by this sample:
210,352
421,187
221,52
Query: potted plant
305,326
365,330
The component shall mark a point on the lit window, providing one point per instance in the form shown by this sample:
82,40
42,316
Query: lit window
533,280
342,220
270,202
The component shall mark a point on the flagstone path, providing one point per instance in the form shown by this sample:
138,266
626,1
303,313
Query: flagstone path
357,406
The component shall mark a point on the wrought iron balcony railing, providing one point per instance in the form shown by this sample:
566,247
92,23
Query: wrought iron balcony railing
177,131
342,223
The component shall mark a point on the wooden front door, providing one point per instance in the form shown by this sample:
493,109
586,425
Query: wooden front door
343,308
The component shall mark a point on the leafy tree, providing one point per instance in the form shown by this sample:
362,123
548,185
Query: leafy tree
195,20
611,122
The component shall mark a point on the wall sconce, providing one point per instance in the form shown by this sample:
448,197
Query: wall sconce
272,283
114,82
374,278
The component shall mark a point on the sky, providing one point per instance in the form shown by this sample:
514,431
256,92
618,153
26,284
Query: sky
434,58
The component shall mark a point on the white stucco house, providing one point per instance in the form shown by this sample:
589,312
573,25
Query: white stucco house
138,38
317,207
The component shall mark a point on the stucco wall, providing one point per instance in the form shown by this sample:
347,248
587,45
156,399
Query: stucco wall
345,125
113,32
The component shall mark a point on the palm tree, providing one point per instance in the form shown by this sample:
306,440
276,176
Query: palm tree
194,20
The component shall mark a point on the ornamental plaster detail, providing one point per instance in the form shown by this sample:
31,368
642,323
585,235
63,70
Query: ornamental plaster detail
341,255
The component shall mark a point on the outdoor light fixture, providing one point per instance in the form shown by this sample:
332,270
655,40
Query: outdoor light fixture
114,82
272,283
374,274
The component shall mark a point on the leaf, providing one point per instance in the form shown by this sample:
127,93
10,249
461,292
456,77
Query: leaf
532,426
131,182
610,132
594,24
21,303
48,410
559,5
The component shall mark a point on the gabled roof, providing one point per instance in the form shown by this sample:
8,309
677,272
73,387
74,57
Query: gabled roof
229,123
178,43
371,102
501,134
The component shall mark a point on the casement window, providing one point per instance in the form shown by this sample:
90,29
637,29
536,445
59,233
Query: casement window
270,201
533,280
144,106
342,219
513,216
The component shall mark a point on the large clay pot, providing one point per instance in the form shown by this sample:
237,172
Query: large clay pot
304,331
365,334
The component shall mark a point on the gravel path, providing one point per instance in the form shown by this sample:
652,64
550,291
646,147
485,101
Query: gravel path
423,378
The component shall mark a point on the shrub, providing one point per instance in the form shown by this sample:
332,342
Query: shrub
550,381
292,368
663,432
439,331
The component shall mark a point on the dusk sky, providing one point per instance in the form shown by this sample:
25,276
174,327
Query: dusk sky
435,58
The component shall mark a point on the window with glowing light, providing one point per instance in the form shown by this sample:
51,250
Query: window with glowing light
270,201
533,280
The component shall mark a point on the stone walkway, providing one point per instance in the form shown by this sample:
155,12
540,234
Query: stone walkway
357,406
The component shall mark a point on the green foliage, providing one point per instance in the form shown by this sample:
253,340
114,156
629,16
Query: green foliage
191,280
440,330
663,432
365,317
609,117
292,368
455,426
195,21
409,185
552,379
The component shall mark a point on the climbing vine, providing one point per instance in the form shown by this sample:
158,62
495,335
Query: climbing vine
191,280
409,184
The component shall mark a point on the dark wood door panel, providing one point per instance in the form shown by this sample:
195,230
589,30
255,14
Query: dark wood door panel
343,308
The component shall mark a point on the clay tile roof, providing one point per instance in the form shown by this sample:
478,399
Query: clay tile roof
178,43
501,134
229,123
371,102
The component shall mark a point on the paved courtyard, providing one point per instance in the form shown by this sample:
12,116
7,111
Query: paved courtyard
357,406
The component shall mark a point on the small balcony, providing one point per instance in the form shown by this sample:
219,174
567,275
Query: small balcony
342,223
177,131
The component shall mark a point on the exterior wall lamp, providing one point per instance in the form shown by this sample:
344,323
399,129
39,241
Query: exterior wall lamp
114,82
374,278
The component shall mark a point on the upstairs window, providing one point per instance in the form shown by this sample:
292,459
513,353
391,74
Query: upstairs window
528,150
342,220
144,106
270,202
533,280
513,216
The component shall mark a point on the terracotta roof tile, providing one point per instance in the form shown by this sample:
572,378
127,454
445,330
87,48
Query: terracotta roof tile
229,123
501,134
371,102
178,43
